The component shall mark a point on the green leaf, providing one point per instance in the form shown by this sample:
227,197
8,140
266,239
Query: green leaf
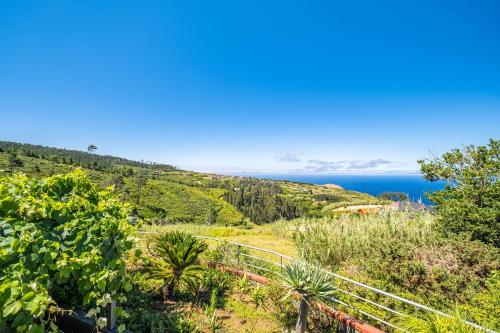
21,318
12,309
28,296
36,329
53,231
64,272
101,284
8,204
88,296
127,286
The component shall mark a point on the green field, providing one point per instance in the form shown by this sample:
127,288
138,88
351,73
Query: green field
162,194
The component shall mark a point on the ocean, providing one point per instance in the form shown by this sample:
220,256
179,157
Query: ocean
415,186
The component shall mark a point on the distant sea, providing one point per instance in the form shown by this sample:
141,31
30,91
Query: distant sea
415,186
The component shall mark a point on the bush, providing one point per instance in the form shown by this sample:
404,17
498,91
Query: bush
214,279
174,258
470,202
400,253
281,308
437,324
63,244
393,196
484,307
147,313
143,320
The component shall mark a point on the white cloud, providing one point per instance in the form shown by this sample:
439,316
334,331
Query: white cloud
290,156
360,165
356,165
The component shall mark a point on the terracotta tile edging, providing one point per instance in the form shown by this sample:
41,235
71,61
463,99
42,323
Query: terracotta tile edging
345,319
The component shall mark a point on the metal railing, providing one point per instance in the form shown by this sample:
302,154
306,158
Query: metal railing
269,262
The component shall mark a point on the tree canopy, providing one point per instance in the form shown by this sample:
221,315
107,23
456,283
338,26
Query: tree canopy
470,202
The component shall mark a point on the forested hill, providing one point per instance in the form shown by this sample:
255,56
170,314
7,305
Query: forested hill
77,157
161,193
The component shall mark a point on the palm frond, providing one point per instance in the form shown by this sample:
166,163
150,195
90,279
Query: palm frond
174,257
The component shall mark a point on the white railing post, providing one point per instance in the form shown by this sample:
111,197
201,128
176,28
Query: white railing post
238,255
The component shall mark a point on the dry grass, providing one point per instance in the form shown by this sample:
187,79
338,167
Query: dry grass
243,316
276,236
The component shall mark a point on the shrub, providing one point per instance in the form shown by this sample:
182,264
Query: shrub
143,320
174,257
281,308
210,311
63,244
244,286
433,323
400,252
214,279
484,307
470,202
147,313
393,196
259,297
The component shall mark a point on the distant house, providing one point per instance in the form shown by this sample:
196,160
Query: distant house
409,206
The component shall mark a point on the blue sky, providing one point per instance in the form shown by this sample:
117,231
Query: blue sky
302,86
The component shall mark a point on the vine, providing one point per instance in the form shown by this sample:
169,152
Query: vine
63,246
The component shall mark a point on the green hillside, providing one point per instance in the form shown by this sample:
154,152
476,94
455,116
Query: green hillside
161,193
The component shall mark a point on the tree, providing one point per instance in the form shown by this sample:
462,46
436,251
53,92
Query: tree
261,201
470,202
174,258
212,216
311,283
118,182
393,196
141,180
14,162
91,148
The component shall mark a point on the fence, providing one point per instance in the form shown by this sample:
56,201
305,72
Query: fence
357,299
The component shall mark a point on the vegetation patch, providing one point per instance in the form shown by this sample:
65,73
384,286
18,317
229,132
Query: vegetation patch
63,247
162,194
403,253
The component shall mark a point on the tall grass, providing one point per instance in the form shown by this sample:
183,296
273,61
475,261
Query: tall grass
433,323
402,253
334,241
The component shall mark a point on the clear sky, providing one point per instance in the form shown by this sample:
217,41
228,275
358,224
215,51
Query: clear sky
311,86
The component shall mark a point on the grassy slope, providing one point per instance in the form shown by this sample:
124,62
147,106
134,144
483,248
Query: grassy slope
174,196
273,236
177,195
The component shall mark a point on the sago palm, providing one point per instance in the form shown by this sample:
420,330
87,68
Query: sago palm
310,283
174,257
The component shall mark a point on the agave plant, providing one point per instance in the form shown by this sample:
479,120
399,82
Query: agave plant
174,258
310,283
